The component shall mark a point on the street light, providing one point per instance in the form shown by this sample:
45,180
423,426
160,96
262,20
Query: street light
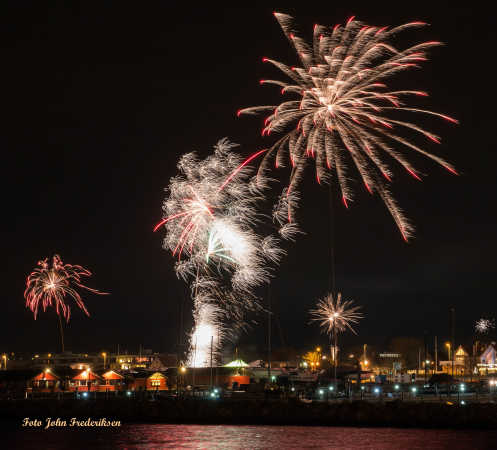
447,344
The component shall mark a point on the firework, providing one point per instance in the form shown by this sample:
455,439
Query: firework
483,326
210,218
344,113
50,284
207,334
336,316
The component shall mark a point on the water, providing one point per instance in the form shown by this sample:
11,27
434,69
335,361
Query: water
157,436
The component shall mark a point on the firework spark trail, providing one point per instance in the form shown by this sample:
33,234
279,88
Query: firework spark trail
336,315
210,215
50,284
342,115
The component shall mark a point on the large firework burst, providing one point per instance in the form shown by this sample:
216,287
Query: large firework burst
344,113
50,284
335,315
210,217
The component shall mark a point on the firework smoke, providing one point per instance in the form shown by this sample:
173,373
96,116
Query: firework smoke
50,284
344,113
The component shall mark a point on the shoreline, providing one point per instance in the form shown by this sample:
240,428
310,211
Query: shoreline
391,414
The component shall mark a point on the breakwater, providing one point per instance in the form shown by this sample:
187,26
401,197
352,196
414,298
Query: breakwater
263,412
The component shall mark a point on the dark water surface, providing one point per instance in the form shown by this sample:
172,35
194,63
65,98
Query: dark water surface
150,436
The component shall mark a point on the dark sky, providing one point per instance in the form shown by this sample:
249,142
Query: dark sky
99,102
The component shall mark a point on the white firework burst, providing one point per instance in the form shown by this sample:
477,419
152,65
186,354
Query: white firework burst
343,115
335,315
210,217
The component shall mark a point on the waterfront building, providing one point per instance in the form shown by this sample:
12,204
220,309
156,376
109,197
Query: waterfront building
461,363
488,361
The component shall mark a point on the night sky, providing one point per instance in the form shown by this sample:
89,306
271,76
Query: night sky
99,103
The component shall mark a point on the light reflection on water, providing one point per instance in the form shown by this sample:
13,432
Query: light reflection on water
157,436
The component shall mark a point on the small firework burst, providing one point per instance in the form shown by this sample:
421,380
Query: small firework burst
50,284
335,315
483,325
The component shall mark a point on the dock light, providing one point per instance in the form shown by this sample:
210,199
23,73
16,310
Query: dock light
331,388
128,393
292,389
212,394
376,390
463,402
321,392
215,391
397,387
362,388
273,378
414,389
85,394
462,386
491,382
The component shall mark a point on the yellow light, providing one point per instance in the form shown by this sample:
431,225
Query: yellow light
318,349
183,369
104,354
49,355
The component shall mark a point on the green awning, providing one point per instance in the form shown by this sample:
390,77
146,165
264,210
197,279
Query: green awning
237,363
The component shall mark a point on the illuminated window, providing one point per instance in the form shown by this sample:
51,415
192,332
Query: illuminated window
155,383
